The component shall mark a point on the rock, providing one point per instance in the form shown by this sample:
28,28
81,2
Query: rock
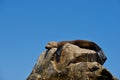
69,63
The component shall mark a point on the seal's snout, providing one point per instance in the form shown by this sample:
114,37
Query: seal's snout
51,45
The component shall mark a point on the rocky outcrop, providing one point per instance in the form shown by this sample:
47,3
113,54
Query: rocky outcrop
69,63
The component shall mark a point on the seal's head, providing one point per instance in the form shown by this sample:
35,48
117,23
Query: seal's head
51,45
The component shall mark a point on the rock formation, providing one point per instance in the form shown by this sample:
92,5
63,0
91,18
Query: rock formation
69,63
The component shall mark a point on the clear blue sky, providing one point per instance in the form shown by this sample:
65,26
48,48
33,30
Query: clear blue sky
27,25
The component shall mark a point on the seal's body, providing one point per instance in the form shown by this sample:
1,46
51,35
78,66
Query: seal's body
81,43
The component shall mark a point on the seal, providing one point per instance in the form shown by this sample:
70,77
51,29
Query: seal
81,43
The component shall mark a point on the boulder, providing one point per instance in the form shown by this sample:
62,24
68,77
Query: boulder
70,62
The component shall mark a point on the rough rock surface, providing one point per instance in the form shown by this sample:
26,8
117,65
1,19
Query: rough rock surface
69,63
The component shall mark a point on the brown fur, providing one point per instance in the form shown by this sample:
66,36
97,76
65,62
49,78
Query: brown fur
81,43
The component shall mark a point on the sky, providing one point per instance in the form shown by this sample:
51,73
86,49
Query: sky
26,26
